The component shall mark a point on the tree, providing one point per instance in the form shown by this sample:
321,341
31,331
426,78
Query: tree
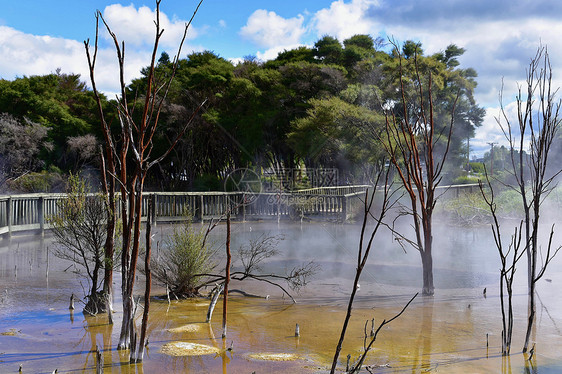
252,256
80,230
365,245
294,55
328,50
357,48
60,102
21,142
135,142
537,124
410,49
206,146
412,140
509,258
336,134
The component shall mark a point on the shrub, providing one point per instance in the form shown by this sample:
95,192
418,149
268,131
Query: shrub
185,256
466,179
468,210
44,181
477,167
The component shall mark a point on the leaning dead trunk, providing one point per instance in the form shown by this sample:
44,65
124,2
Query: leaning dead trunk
227,275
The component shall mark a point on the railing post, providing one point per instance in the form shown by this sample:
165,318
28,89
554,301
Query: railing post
41,214
243,206
9,209
153,210
344,208
201,207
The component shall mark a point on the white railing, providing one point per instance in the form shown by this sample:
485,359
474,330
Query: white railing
30,212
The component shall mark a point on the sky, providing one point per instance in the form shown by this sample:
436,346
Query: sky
500,36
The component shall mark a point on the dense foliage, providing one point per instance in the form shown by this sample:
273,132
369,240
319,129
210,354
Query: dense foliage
310,107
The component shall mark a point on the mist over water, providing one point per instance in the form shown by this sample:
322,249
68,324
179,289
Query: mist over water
445,332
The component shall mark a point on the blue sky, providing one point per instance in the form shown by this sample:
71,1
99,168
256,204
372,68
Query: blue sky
38,36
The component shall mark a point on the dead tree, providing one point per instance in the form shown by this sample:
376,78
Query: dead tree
509,258
537,125
138,352
252,257
79,230
356,367
226,276
134,146
411,144
108,185
365,245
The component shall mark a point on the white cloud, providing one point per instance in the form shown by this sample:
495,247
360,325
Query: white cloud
489,132
26,54
267,29
344,20
136,26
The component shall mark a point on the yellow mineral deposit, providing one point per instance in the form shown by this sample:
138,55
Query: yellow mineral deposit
275,356
192,327
10,332
188,349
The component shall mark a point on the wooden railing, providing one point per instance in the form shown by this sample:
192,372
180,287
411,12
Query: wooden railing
338,204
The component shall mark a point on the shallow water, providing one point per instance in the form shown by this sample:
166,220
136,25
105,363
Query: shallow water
456,331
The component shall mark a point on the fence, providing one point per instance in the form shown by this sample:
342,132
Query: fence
30,212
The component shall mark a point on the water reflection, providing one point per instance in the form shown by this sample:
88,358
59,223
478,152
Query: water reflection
423,349
97,335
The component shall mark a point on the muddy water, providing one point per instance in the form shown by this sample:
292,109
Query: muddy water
456,331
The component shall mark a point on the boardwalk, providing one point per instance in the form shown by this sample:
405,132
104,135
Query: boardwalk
337,204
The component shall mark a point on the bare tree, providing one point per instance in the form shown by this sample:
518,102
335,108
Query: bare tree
411,142
79,229
226,276
365,245
83,148
135,143
252,257
537,124
509,258
356,366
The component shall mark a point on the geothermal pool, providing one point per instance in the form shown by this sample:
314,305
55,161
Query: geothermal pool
456,331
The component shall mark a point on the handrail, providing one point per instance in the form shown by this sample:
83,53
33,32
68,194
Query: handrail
25,212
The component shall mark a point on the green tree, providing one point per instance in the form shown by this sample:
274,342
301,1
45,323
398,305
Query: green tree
60,102
337,134
293,55
357,48
328,50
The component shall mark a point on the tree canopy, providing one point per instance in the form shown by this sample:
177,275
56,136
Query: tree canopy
309,107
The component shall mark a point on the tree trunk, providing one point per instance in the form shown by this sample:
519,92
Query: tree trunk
148,281
531,317
128,206
427,268
346,321
109,246
227,277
